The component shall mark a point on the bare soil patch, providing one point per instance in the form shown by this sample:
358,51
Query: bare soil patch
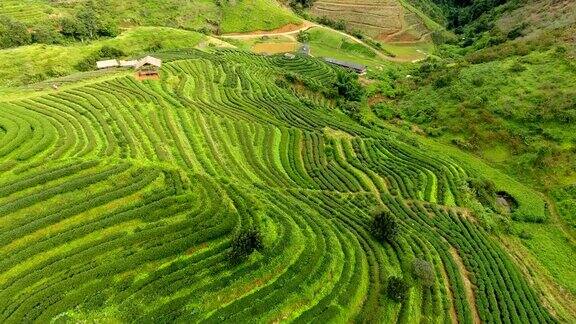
273,48
139,77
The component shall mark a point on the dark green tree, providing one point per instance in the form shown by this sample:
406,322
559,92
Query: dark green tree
88,24
348,86
303,36
90,21
45,34
384,227
71,27
244,244
397,289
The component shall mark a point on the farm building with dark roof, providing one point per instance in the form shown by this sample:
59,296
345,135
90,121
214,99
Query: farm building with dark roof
358,68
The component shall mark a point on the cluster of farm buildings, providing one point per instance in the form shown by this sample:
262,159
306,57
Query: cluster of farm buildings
147,66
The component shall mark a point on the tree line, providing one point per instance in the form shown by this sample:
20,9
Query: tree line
86,24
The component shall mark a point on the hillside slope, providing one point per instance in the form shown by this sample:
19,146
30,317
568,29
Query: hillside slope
210,15
385,198
384,20
504,91
138,187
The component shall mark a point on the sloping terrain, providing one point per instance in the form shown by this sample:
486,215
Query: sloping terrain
386,20
539,16
119,199
219,17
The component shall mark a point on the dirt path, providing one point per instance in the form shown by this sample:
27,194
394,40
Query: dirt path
288,30
558,221
467,285
292,30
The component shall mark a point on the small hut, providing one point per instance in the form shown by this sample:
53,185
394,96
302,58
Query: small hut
107,64
148,66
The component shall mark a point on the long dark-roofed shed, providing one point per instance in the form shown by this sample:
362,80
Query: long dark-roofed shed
358,68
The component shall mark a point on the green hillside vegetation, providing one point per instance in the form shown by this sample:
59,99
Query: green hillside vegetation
39,21
251,15
241,187
142,188
517,112
504,91
38,62
506,94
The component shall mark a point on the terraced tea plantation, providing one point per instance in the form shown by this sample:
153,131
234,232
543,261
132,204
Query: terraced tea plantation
385,20
119,200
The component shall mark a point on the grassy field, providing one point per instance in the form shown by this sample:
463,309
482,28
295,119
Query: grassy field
138,187
253,15
327,43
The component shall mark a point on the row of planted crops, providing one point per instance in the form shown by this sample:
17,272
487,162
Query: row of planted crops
119,199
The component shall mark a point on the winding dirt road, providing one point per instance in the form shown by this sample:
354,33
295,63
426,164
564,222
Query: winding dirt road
305,26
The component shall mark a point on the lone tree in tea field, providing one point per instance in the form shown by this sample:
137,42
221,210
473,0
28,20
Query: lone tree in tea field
244,244
397,289
423,270
384,227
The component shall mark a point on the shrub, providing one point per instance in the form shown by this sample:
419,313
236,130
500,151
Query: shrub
105,52
339,25
45,34
384,111
13,33
348,86
351,108
484,190
384,227
424,271
301,3
282,83
244,244
303,36
517,67
525,235
397,289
